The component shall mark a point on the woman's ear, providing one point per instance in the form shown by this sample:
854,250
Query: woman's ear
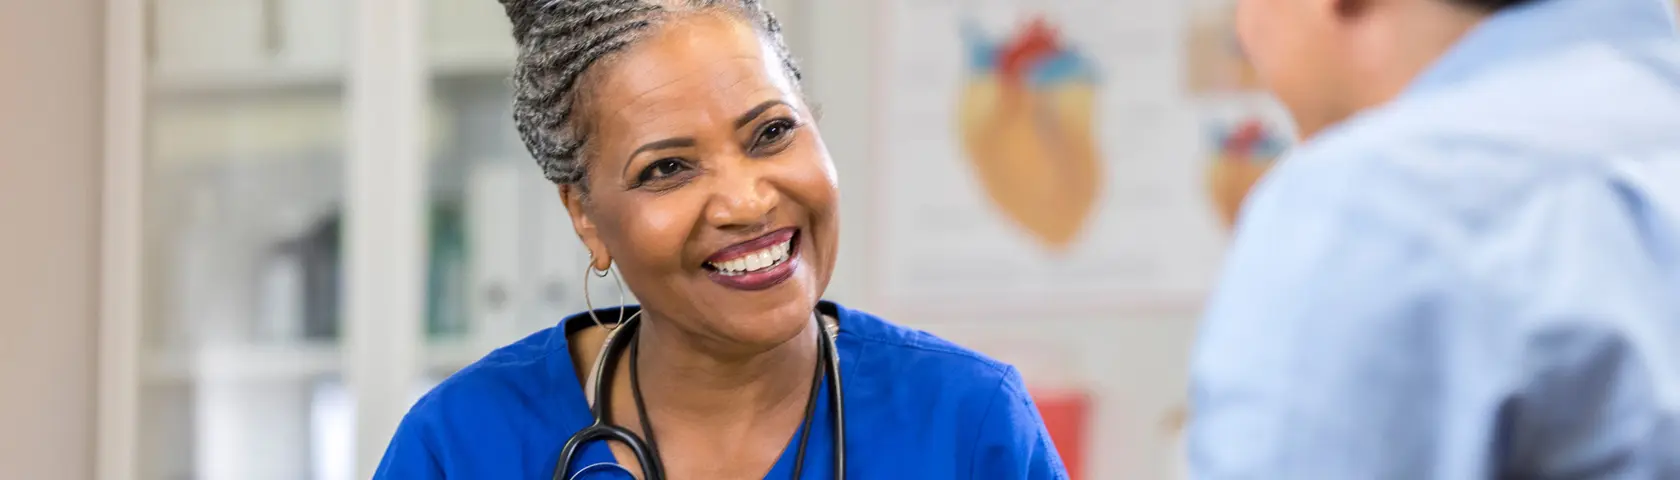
572,196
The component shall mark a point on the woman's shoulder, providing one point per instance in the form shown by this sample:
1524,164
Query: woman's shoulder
882,348
500,381
938,399
475,422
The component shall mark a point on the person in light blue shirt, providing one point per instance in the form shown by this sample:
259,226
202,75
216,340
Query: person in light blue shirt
691,165
1470,267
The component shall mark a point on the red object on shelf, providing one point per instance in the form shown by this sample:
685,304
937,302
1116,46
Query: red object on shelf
1067,415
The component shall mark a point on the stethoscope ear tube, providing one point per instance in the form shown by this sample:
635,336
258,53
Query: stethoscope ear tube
832,354
601,430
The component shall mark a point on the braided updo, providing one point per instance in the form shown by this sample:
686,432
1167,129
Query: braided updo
560,39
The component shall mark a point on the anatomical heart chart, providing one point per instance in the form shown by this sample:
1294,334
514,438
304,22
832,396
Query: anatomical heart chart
1026,116
1036,152
1244,138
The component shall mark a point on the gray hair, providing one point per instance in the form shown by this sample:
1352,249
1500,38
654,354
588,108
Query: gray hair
560,39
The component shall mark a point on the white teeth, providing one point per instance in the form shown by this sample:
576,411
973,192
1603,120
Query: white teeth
755,261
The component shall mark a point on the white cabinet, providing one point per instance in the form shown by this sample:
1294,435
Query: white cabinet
230,37
316,209
468,29
311,33
181,31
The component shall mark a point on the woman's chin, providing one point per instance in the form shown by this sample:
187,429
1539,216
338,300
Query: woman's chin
764,329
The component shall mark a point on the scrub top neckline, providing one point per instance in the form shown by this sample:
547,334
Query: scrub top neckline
578,415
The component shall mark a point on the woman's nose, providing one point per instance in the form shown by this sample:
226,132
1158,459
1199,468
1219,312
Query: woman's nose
741,196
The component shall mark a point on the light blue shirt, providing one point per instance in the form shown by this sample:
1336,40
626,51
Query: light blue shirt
1479,280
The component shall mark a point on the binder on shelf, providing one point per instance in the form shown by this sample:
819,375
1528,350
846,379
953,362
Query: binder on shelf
207,299
280,295
559,257
493,257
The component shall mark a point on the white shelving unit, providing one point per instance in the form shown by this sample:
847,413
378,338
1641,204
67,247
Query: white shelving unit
314,211
282,362
189,83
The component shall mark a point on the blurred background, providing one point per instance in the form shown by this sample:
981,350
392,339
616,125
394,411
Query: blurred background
242,236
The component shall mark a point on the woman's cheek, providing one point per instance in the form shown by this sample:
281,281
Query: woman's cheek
655,230
814,183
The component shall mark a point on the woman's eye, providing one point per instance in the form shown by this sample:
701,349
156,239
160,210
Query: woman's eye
660,169
774,132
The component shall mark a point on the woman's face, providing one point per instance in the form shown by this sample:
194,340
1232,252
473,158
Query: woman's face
708,183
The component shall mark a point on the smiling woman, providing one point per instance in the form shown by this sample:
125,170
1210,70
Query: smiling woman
689,162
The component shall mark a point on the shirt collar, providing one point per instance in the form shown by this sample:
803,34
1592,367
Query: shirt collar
1545,26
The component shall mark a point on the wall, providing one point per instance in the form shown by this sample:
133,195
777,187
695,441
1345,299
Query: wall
1131,363
50,136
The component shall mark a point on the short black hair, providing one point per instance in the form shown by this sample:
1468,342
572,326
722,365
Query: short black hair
1490,5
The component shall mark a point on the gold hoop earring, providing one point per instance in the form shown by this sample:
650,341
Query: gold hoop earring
590,271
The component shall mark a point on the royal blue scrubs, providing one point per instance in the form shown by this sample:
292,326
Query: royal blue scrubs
917,407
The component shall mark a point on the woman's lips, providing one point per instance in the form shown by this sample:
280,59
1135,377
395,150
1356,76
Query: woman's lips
756,264
750,246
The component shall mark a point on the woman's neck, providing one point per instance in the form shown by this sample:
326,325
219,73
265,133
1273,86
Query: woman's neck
695,380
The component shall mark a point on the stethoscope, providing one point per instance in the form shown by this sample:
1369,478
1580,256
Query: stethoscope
647,455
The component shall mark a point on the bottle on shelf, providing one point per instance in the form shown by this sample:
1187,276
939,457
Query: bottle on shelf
320,251
281,284
446,277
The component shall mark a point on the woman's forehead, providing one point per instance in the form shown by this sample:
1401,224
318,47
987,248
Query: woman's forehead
699,62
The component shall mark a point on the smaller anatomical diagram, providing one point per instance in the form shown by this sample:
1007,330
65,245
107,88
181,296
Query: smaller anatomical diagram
1216,60
1173,424
1026,118
1243,152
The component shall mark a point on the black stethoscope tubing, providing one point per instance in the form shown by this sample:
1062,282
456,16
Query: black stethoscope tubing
652,467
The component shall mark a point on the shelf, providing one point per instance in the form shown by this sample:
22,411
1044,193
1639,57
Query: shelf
192,83
282,362
243,362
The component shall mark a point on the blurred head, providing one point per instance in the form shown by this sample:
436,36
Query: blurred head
685,155
1328,59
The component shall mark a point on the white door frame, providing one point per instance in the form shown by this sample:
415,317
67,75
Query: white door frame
120,234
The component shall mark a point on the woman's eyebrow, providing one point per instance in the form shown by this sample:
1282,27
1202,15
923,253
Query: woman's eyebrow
754,112
677,142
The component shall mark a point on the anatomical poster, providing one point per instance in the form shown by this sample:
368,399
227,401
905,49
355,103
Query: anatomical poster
1243,137
1215,61
1034,153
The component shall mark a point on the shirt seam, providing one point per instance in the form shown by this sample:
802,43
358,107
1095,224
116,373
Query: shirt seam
991,405
995,365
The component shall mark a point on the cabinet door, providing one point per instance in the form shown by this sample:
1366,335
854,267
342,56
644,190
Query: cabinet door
241,261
